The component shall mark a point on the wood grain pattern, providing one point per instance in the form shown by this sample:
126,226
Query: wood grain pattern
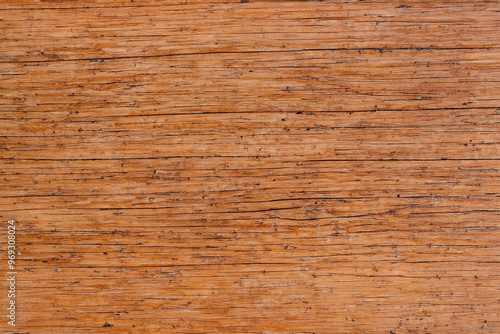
252,166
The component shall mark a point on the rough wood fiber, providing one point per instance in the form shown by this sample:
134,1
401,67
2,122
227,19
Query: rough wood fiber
252,166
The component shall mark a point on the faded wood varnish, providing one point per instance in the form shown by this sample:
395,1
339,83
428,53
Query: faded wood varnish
251,166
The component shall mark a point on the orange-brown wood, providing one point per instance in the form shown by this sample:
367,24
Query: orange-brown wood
251,166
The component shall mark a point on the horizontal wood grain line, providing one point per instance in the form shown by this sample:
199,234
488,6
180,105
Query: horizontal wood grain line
297,50
77,7
244,201
151,3
112,133
44,114
250,156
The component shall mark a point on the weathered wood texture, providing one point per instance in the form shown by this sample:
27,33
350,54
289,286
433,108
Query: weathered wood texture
252,167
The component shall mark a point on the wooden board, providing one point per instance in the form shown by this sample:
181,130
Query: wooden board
251,166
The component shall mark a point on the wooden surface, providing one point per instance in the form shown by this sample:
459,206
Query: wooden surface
251,167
